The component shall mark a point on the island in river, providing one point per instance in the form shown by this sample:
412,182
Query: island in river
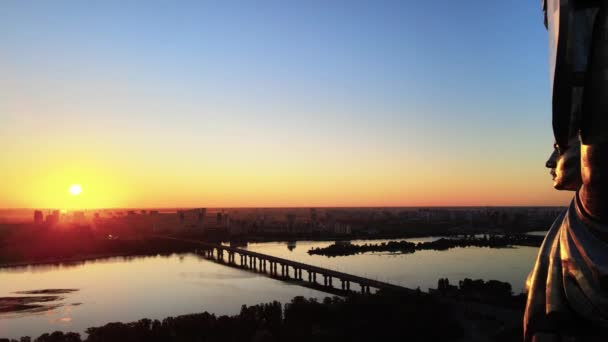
502,241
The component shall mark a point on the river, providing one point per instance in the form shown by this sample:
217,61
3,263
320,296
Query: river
128,289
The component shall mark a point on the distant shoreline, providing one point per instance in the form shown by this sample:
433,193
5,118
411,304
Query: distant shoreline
90,257
67,259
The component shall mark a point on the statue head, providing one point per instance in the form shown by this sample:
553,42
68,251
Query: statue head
565,165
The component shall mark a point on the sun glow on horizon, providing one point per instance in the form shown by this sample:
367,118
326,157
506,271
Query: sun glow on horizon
75,189
352,119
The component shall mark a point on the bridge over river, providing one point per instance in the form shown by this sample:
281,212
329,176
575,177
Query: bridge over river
287,269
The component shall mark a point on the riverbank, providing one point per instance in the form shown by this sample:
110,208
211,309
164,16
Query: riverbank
67,260
76,249
147,246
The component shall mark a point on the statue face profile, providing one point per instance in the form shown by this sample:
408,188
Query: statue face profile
566,167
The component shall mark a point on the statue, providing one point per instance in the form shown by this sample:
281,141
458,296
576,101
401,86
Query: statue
568,286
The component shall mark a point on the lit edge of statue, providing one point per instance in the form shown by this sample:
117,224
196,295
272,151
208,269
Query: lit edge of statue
568,286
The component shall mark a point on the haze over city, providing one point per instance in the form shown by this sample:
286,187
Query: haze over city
211,104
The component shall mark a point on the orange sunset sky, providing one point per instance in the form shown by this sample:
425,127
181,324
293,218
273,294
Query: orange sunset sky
203,105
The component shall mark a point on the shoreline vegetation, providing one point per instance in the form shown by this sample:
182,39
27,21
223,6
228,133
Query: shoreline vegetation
381,316
441,244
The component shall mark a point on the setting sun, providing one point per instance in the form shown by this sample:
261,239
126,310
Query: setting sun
75,189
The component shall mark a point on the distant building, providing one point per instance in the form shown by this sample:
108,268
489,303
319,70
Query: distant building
53,218
342,229
201,216
78,217
38,217
291,222
226,220
313,217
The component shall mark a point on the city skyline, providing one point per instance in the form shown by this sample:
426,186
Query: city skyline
350,104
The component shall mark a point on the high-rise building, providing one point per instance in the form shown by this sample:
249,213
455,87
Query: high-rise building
201,216
53,218
291,220
38,217
78,217
313,217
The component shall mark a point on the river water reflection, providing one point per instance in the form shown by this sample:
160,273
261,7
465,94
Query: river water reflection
421,269
124,290
120,289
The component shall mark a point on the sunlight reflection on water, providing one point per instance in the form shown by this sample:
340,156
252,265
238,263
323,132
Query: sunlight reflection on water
130,288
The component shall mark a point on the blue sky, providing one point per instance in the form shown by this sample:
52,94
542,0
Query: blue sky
455,94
